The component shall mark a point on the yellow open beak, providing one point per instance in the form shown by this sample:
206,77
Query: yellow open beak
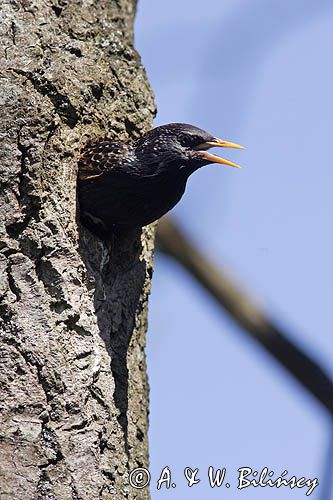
217,143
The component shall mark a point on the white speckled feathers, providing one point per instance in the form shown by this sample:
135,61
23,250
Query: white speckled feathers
101,156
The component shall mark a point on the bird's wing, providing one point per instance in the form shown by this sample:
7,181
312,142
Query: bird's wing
99,157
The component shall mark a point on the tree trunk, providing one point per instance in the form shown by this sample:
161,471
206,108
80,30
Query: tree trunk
73,392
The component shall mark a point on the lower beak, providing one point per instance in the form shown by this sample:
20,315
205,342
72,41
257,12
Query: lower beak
217,143
217,159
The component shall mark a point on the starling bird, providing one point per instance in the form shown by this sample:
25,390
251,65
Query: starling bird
131,185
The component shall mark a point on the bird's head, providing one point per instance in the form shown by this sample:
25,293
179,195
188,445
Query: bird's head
180,147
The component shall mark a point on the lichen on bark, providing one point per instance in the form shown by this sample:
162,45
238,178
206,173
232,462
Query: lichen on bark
73,388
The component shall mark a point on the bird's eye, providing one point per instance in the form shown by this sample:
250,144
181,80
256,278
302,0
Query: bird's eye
184,141
190,141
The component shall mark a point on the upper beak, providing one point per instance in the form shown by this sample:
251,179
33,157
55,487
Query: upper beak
217,143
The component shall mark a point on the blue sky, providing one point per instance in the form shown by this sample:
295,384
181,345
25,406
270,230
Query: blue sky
258,73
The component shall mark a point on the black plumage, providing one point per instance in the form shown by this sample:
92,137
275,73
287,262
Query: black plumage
133,184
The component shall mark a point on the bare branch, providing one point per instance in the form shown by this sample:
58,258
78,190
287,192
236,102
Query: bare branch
242,309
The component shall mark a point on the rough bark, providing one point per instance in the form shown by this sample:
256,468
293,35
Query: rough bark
73,393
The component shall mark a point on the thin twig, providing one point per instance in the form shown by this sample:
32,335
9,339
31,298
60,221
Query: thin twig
240,306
